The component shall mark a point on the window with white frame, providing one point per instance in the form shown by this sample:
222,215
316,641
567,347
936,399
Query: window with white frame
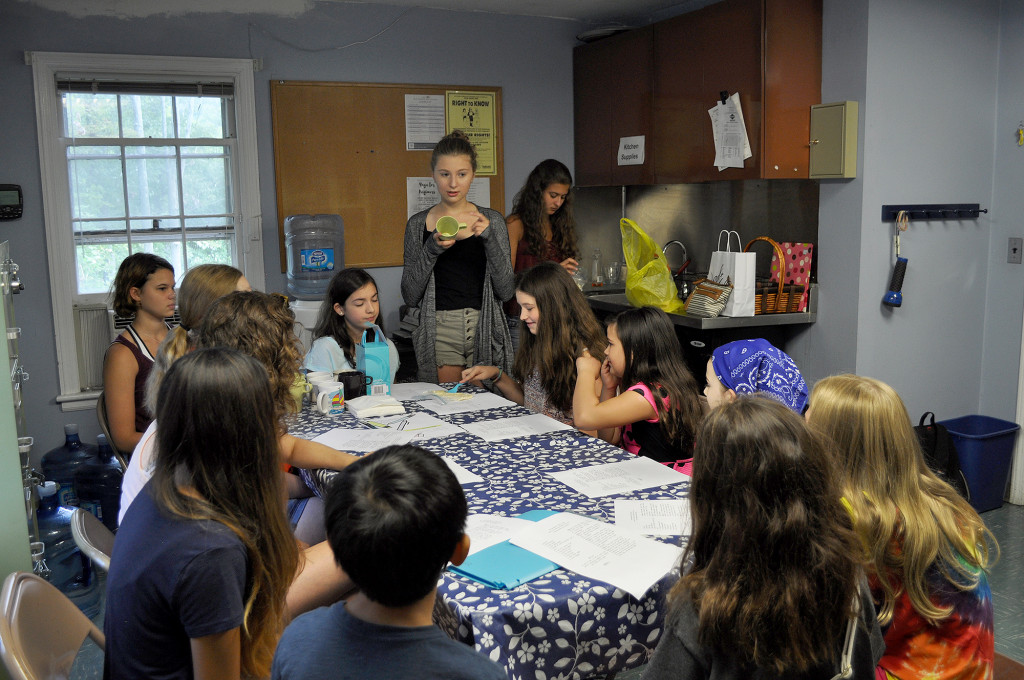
149,154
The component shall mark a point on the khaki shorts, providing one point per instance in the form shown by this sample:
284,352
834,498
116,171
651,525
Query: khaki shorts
455,339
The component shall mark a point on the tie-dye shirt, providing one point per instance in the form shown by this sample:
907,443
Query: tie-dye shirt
961,647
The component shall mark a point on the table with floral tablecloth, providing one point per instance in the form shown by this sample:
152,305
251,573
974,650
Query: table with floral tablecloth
562,625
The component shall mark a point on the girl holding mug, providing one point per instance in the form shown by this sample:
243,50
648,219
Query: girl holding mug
457,283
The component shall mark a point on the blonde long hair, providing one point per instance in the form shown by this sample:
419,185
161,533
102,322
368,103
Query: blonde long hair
200,287
908,518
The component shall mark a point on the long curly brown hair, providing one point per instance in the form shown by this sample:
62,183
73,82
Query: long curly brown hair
261,326
776,562
528,206
566,326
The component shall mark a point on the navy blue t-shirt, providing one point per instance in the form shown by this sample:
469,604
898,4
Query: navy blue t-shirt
171,579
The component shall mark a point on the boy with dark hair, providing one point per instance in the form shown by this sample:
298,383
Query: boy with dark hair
394,521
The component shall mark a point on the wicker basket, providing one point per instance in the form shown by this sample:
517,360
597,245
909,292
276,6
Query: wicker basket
776,298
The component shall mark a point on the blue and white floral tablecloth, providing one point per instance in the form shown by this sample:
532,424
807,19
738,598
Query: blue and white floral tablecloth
562,625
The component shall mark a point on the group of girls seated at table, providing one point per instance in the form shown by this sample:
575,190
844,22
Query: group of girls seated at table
822,545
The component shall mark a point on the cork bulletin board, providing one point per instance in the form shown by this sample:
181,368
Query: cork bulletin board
341,148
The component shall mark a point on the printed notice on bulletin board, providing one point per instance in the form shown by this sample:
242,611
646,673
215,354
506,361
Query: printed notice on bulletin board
473,113
421,193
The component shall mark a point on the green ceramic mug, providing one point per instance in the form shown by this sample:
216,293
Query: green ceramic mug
448,227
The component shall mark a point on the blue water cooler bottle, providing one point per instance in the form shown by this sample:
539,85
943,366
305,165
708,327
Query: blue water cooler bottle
69,569
98,484
60,464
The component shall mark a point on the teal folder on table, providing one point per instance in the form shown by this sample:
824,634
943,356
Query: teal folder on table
504,566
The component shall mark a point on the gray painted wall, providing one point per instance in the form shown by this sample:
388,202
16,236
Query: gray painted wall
940,97
529,58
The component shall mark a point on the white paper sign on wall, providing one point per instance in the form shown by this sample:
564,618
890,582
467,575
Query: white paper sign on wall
631,150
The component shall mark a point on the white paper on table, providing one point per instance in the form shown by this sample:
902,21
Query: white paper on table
520,426
487,530
462,475
654,518
479,402
600,551
347,439
622,477
421,425
732,146
404,391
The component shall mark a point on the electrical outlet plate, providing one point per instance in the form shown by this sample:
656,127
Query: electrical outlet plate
1013,253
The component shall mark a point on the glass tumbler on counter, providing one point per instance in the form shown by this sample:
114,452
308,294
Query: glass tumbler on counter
611,275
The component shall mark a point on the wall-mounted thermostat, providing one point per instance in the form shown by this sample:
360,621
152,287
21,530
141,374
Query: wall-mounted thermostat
11,201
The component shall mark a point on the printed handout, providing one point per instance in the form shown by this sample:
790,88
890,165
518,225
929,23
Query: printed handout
629,475
462,475
479,402
487,530
521,426
600,551
348,439
654,518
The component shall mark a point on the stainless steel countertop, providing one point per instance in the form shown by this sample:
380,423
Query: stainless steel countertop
617,302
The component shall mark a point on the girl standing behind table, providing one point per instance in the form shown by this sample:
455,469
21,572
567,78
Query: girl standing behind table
558,325
541,226
458,284
350,306
204,557
658,413
928,550
143,290
775,589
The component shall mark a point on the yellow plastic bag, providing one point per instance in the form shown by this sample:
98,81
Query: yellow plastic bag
648,281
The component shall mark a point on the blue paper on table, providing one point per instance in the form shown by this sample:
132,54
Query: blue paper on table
504,566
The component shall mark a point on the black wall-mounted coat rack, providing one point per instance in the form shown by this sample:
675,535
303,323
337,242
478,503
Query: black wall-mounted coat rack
934,211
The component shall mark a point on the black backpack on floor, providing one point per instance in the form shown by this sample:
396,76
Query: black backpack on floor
940,454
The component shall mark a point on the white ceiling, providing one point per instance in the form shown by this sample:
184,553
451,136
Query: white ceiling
589,13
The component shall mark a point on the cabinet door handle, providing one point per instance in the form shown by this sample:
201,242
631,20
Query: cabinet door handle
814,141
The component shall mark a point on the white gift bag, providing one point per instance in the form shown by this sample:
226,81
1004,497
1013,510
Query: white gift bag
737,268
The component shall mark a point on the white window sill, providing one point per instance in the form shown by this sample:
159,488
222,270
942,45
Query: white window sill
82,401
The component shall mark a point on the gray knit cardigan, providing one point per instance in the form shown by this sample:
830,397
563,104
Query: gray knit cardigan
493,343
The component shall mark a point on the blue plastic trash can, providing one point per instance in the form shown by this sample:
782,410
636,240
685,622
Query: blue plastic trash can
985,447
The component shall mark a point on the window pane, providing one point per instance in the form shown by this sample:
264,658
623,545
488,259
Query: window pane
96,188
204,186
169,250
147,116
152,180
90,115
97,264
93,226
227,222
200,117
166,227
211,250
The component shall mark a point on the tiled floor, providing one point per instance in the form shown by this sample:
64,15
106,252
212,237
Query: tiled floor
1007,578
1007,581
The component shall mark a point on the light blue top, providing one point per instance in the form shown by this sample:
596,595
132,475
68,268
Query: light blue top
326,355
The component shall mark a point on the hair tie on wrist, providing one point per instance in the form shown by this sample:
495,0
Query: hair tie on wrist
500,371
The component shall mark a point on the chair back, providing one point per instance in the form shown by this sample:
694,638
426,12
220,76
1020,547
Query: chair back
40,629
92,537
101,416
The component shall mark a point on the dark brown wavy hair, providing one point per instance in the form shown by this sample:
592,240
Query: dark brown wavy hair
262,326
654,358
133,272
775,559
528,206
217,439
566,326
332,325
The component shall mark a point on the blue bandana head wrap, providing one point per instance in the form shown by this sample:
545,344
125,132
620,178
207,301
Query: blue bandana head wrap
759,367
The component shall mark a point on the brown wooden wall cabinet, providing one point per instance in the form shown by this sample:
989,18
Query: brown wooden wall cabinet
767,50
